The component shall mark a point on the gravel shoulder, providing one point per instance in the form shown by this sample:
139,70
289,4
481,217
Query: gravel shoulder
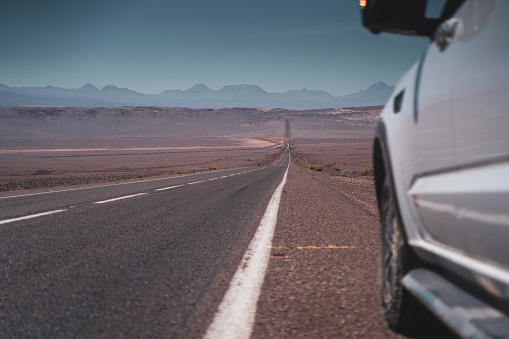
329,287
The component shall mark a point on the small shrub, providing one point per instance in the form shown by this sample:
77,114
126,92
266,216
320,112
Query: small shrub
366,172
178,172
39,172
212,168
312,167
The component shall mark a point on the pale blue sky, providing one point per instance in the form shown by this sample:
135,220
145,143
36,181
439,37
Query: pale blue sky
154,45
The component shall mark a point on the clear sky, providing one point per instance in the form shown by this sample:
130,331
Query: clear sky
154,45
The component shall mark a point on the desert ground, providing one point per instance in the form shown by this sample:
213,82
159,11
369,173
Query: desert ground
48,167
54,146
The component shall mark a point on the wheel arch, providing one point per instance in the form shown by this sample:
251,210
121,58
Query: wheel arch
383,168
381,162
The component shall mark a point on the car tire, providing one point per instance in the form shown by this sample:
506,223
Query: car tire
402,311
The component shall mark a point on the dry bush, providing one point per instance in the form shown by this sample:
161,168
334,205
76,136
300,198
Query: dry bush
312,167
212,168
178,172
366,172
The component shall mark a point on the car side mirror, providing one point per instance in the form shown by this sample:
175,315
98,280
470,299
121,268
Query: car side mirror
445,32
398,16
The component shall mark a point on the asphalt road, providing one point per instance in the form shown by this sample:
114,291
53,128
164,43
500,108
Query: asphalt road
151,258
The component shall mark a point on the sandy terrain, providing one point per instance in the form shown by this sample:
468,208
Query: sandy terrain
53,146
338,157
35,168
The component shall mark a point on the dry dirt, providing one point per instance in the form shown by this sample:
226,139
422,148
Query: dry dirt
47,167
323,279
54,146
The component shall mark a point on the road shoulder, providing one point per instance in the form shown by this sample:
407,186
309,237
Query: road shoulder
322,280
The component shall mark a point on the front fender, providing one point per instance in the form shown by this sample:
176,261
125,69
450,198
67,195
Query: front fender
389,149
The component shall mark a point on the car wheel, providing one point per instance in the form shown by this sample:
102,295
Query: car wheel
401,310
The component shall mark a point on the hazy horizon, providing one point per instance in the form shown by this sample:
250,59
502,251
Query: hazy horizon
157,45
196,84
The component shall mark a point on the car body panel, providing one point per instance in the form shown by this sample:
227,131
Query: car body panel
449,150
431,149
480,49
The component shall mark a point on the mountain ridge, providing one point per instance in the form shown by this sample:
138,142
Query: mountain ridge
197,96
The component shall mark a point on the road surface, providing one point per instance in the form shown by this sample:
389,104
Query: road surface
152,258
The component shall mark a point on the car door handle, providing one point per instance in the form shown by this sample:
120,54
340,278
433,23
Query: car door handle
445,32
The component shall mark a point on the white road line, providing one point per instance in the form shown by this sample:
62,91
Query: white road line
213,179
168,188
108,185
195,182
224,176
30,216
119,198
236,313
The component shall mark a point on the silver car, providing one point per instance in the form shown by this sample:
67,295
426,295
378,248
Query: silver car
441,159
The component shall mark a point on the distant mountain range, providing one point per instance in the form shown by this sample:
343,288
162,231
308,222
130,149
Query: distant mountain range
198,96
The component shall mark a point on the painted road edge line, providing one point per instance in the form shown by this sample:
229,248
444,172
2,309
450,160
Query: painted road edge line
169,188
115,184
30,216
236,314
119,198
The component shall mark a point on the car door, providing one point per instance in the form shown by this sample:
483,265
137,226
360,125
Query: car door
480,54
431,153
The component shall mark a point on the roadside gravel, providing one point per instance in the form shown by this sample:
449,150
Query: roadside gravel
329,288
